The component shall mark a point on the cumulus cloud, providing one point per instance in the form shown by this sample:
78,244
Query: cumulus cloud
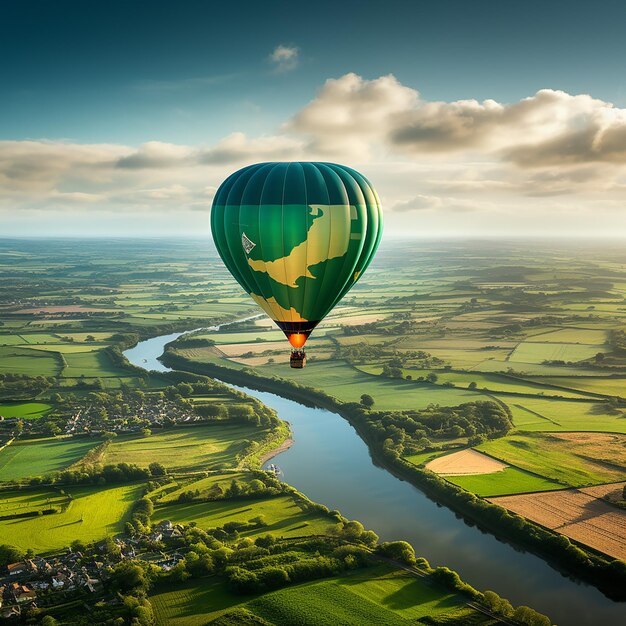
285,58
237,148
426,158
349,113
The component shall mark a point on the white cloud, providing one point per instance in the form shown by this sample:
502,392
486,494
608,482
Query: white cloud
285,58
487,162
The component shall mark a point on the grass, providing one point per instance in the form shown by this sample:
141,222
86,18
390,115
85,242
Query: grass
29,410
510,480
93,514
193,603
203,485
283,516
27,361
347,384
490,382
545,414
378,595
565,461
17,502
24,459
89,364
531,352
195,447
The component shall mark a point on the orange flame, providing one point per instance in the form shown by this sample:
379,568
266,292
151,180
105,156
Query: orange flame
297,340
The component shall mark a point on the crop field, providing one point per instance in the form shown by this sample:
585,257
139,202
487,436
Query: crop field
28,410
580,516
93,514
22,459
194,447
537,414
20,502
383,594
283,516
203,485
571,459
16,360
89,364
538,352
465,462
347,383
509,481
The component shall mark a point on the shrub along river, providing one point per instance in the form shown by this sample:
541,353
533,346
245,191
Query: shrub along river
331,464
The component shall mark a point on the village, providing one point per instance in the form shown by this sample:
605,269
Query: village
46,581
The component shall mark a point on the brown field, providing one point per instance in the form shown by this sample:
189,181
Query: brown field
236,349
355,320
580,514
70,308
465,462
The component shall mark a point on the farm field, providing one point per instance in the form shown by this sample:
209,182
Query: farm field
16,360
22,459
570,459
194,447
387,595
580,516
465,462
30,410
283,516
93,514
508,481
347,384
17,502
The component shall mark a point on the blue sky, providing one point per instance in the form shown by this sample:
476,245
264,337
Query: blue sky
191,73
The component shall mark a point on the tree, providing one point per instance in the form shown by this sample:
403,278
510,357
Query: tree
432,377
157,469
146,432
10,554
78,546
129,576
472,385
367,400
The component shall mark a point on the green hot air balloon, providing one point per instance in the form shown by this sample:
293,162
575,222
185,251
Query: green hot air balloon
296,236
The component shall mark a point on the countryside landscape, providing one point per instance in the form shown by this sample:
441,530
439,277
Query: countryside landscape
492,387
312,315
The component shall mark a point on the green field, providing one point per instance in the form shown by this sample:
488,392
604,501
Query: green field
347,384
93,514
27,361
545,414
18,502
22,459
28,410
510,480
569,462
379,595
283,516
194,447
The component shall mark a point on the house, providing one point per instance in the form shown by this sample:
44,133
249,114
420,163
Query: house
22,593
11,611
60,580
16,569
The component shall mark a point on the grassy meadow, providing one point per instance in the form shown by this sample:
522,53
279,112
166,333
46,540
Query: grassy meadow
23,459
92,514
184,448
380,595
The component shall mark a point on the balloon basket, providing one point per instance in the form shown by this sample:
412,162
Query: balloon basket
297,359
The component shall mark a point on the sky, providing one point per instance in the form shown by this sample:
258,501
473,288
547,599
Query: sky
471,119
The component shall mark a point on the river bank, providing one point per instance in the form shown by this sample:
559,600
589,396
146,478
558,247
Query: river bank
331,463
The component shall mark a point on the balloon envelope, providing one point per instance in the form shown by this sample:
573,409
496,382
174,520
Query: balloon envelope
296,236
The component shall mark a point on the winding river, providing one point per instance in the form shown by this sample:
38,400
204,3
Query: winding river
331,464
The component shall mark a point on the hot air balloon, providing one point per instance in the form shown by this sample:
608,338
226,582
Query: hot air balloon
296,236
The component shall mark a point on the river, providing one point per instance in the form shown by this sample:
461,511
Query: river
331,464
